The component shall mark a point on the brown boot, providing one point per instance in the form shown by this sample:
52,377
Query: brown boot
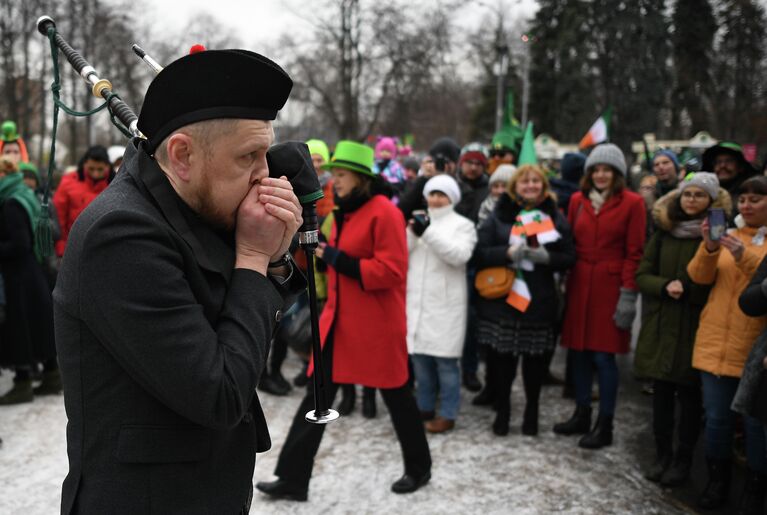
439,425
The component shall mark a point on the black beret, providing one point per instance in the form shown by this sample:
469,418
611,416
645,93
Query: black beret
212,84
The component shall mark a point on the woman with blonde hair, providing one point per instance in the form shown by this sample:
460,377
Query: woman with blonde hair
527,233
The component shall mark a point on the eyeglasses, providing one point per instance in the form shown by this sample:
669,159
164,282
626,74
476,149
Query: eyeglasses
698,195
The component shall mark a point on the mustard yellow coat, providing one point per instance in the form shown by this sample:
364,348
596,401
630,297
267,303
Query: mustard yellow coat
725,334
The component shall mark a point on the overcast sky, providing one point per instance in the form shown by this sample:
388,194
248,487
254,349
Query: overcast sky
262,21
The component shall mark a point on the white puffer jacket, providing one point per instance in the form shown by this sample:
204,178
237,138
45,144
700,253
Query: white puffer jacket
437,293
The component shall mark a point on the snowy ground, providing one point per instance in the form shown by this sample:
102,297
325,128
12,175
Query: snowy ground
474,471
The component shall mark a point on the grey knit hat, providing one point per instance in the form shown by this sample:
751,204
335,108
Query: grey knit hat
706,181
607,154
503,173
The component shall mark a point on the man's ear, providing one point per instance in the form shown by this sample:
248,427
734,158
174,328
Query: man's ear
180,148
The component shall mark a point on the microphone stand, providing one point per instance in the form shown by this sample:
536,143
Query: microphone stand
308,239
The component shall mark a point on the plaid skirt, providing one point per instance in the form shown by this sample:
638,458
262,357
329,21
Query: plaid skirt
516,337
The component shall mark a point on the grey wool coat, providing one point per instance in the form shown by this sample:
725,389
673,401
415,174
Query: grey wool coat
161,345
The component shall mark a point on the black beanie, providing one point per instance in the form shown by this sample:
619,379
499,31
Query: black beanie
446,147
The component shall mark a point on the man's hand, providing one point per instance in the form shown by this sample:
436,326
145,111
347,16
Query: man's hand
267,219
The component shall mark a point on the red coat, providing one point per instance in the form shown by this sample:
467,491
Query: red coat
369,321
609,247
71,198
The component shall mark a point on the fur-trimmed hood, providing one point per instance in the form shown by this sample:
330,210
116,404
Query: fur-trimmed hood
660,212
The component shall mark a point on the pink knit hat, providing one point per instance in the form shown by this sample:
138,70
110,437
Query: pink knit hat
386,143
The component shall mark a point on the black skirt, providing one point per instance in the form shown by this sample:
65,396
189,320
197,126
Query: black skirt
516,337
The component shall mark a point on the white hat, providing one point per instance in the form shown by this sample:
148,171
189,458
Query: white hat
446,185
115,152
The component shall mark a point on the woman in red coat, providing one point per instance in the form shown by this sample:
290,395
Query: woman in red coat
608,224
363,325
77,190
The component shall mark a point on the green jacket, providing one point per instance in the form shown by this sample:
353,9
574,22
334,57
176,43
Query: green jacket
667,337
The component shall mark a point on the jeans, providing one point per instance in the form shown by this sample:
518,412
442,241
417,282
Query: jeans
718,392
584,363
432,375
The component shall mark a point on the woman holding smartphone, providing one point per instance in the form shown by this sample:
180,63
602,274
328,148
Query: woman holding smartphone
673,304
726,334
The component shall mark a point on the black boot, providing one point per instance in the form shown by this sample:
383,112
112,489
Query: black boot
530,420
19,394
600,436
579,423
280,489
280,380
679,471
752,500
348,398
502,415
718,487
369,402
301,378
51,384
268,384
486,397
663,458
471,382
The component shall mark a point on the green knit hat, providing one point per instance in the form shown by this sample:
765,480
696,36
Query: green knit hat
353,156
317,146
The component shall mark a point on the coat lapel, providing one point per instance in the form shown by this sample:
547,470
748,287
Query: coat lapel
210,251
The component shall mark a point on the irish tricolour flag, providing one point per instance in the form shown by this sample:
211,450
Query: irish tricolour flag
598,132
519,297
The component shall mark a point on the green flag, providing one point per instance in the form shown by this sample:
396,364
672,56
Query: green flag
527,154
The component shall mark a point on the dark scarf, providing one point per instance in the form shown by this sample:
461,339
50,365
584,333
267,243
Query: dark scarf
12,187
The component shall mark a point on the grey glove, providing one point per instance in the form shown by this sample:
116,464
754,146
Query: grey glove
516,254
538,255
626,309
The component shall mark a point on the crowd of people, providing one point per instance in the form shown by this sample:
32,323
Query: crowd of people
427,267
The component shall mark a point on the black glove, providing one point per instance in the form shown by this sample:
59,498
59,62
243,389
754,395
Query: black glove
420,223
330,255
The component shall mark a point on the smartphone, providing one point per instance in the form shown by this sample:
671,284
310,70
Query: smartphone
717,224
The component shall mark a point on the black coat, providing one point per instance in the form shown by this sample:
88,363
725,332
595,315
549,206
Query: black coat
27,335
473,193
491,250
161,345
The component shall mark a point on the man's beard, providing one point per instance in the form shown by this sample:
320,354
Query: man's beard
206,207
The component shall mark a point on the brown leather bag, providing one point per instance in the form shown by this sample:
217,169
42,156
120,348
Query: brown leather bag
494,282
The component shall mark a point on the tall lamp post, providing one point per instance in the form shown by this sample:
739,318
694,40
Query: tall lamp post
501,68
525,78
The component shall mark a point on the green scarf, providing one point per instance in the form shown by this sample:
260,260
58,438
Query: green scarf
12,187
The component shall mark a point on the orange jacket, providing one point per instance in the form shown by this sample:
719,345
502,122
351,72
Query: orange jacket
726,334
